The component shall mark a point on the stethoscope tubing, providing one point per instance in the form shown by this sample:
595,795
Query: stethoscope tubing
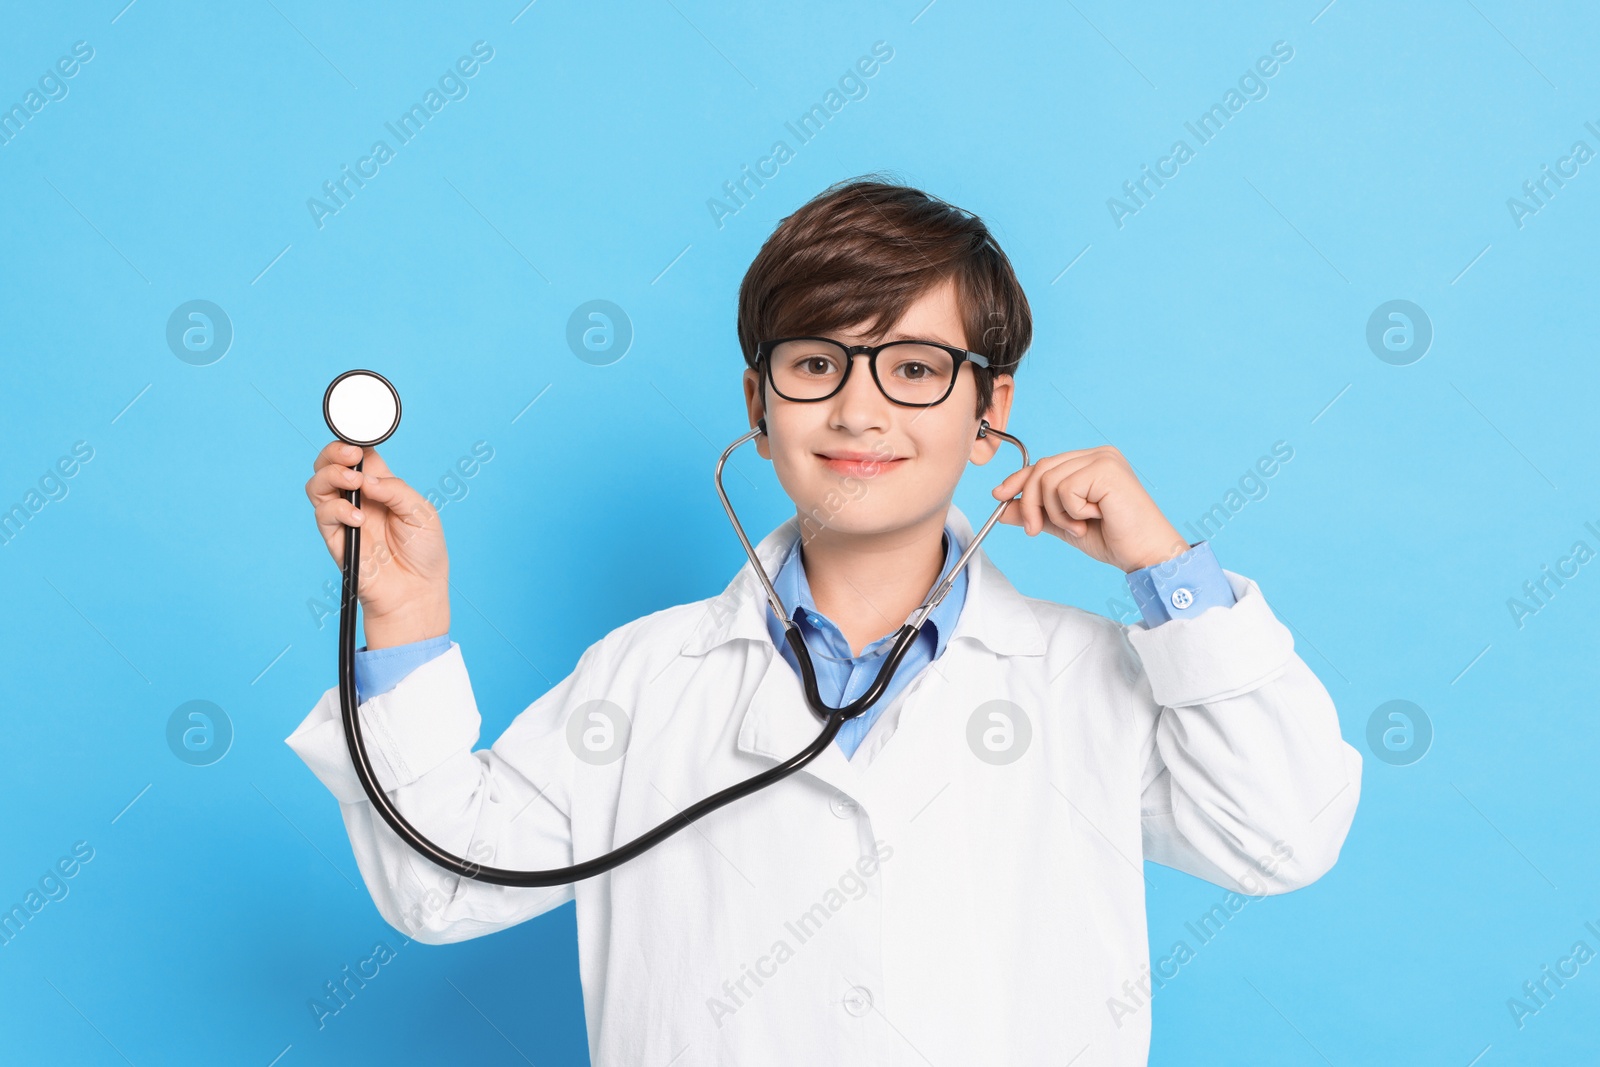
833,718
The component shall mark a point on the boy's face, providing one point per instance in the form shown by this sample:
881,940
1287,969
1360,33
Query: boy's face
916,455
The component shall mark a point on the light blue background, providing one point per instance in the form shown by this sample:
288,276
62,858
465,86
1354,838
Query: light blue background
1228,314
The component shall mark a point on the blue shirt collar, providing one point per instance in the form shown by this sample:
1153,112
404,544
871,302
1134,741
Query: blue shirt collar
795,591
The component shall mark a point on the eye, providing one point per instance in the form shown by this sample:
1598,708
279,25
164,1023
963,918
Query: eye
814,364
916,371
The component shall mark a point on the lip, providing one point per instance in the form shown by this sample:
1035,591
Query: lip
858,464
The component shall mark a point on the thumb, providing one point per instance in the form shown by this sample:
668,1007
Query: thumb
1011,484
398,497
372,463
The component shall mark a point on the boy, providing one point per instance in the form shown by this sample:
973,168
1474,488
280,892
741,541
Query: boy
958,879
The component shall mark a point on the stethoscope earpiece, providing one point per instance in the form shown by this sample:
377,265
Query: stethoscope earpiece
761,424
983,428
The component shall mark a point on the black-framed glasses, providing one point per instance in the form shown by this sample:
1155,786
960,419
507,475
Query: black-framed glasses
915,374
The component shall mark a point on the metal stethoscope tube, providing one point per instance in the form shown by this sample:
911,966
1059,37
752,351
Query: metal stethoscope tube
833,718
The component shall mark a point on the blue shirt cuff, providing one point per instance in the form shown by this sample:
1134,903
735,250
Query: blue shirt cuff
1181,587
381,670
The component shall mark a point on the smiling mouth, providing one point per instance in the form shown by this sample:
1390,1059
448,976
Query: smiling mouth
864,467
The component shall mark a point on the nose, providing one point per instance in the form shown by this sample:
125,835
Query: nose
861,405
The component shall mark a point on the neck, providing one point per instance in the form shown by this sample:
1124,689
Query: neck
869,583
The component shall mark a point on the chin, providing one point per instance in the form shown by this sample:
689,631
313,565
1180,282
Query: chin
863,513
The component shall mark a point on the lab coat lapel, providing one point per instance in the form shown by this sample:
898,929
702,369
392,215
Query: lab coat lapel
995,615
777,723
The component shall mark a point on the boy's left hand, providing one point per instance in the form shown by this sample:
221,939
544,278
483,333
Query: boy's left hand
1092,500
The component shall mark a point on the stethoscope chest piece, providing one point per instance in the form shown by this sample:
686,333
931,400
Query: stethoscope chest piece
361,408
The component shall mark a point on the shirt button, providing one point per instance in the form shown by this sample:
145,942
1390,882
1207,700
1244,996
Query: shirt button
858,1000
843,806
1182,597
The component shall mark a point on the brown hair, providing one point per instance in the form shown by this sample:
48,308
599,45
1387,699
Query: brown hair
862,251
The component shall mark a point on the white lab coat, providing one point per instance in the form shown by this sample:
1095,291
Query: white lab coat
914,904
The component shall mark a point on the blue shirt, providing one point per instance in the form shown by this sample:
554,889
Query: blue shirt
841,677
1180,588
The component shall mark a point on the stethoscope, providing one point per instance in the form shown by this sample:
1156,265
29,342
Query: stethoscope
362,408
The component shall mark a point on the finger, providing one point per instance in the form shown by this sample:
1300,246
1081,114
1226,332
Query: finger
1061,520
333,518
1067,489
1082,489
332,514
1027,504
1036,494
1064,534
331,481
1012,516
1033,492
1075,498
1013,481
1032,501
1010,483
1058,513
336,452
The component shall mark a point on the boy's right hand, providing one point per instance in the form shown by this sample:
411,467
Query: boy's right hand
404,585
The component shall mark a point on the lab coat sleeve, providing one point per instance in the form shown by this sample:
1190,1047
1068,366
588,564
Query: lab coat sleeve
1246,780
505,806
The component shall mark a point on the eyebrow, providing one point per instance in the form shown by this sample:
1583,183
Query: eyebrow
918,337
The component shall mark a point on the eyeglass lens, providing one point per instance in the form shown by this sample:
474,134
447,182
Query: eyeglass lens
908,372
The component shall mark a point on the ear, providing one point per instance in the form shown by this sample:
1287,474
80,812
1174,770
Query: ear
755,405
998,411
